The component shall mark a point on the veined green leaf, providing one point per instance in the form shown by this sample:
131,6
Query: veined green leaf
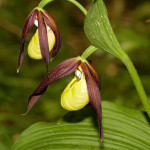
124,129
99,31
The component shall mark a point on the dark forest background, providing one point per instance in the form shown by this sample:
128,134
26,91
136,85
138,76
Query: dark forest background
129,20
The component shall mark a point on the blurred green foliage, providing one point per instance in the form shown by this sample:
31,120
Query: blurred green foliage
128,19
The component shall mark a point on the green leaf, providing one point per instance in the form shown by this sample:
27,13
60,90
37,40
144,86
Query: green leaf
124,129
99,31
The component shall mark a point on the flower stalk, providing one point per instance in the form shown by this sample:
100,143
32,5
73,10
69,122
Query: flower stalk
88,51
45,2
79,6
138,84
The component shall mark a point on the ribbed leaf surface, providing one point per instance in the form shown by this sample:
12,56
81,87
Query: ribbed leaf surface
124,129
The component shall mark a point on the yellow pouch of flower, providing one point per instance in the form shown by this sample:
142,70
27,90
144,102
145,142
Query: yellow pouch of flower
75,96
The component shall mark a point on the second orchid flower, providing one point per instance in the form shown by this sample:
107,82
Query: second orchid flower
84,88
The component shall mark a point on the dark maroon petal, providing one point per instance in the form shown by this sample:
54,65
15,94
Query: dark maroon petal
43,38
53,25
61,70
27,26
94,95
94,73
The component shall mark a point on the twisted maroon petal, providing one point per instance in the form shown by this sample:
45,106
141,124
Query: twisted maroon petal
43,38
61,70
27,26
53,25
94,95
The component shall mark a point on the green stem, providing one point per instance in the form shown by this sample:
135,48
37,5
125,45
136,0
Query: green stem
79,6
43,3
88,52
137,83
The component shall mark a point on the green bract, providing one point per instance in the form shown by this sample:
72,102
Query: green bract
99,31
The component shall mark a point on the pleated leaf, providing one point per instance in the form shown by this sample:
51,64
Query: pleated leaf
99,31
124,129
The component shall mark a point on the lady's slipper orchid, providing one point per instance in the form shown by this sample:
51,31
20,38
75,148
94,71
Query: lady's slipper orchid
83,88
45,21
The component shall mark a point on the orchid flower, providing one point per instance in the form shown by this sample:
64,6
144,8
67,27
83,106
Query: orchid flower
84,88
47,30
